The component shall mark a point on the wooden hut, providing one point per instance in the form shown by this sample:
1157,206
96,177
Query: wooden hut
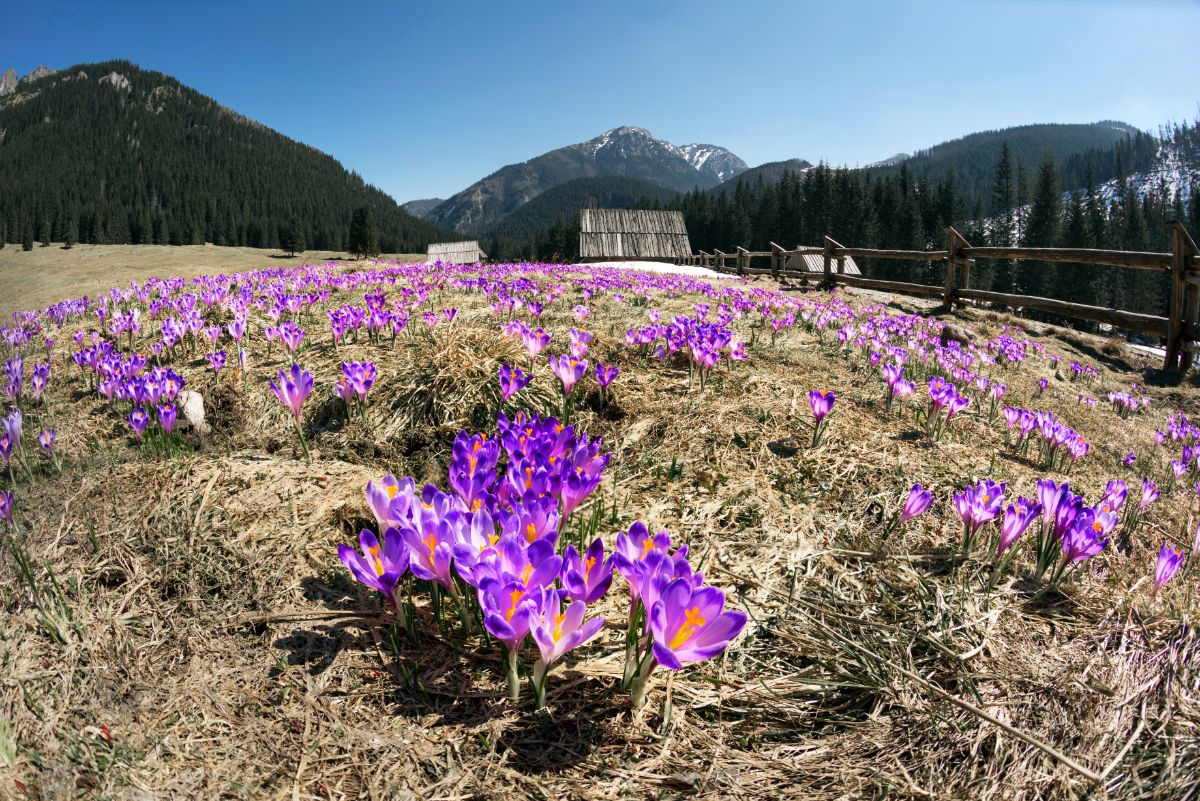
816,264
628,234
455,252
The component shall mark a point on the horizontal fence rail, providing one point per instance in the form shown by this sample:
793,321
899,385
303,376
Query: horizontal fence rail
1179,327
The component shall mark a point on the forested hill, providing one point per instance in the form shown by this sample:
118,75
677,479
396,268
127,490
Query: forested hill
972,159
111,153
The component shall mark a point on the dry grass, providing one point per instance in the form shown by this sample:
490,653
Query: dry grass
202,641
36,278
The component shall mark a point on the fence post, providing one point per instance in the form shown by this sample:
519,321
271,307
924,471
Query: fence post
1184,311
776,260
1175,305
952,240
743,260
830,246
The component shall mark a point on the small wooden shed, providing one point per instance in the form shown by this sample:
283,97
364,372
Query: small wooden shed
629,234
816,264
456,252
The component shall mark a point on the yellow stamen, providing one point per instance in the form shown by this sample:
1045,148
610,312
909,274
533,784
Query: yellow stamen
391,492
514,598
591,562
558,621
431,544
530,532
692,621
376,562
647,546
525,574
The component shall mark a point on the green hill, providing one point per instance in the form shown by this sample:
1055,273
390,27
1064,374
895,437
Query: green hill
112,153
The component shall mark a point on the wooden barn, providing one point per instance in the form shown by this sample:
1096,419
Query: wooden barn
631,235
455,252
816,264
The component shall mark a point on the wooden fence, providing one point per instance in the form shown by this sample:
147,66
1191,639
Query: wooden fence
1179,327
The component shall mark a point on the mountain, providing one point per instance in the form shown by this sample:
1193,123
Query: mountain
563,202
770,172
888,162
626,151
110,152
421,208
973,158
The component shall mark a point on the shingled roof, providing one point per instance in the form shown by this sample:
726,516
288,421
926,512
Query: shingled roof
632,234
456,252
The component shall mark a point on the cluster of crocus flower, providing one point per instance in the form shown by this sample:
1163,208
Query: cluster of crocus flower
704,342
1058,441
943,395
494,545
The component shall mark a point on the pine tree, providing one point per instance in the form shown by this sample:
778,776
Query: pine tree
27,236
71,234
291,238
1042,229
1002,232
364,235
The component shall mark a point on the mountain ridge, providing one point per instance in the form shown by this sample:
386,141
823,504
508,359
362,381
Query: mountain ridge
626,150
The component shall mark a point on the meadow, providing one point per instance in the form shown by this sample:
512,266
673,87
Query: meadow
534,531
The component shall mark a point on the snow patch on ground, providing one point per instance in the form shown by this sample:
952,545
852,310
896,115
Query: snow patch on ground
660,267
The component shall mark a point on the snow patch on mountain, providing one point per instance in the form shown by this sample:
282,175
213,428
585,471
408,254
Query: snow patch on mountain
712,160
1175,171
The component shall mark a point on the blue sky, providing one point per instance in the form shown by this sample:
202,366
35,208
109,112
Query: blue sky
422,99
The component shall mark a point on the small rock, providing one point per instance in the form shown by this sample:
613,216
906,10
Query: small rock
191,411
952,333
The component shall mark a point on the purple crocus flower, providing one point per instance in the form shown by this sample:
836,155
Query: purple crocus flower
605,373
535,341
691,624
359,377
217,360
14,426
293,389
569,370
431,541
977,506
1017,518
1084,539
631,552
557,632
1168,564
917,503
449,314
166,416
587,580
579,342
1149,494
378,567
138,420
821,401
512,381
507,610
291,335
46,440
6,506
1130,459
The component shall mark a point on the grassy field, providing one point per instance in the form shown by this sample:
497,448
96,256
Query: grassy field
36,278
181,627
